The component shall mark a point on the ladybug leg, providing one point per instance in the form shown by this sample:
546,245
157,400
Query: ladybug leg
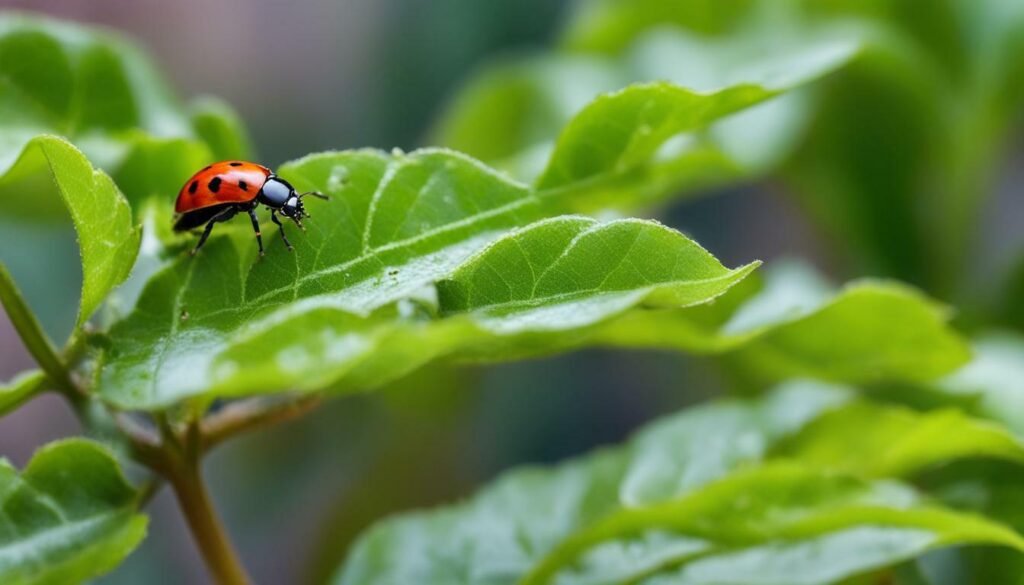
222,216
256,228
273,218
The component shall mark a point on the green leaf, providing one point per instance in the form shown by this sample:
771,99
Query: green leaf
685,451
918,115
107,239
102,93
760,524
222,324
498,534
609,26
516,105
898,441
687,499
616,145
68,517
797,325
21,389
404,229
621,130
571,268
582,281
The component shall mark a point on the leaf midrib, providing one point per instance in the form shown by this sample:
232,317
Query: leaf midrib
535,302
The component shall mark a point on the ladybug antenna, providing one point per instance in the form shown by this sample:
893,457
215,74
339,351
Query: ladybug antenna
314,194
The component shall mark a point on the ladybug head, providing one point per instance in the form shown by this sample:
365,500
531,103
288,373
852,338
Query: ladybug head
293,207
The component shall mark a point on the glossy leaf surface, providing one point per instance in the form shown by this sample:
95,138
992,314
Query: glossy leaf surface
68,517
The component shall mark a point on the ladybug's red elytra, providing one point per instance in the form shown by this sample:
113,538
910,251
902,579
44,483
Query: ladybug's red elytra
222,190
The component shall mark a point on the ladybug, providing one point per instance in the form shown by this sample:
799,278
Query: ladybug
222,190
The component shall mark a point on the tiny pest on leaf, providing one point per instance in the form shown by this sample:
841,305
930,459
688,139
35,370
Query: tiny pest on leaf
220,191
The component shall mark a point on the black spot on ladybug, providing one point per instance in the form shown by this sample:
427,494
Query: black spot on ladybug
192,188
214,184
236,164
243,185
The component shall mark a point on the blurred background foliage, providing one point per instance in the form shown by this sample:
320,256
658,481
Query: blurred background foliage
904,164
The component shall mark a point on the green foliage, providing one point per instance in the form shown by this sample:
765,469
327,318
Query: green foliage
103,94
436,256
396,225
620,131
108,241
544,116
786,328
898,442
707,512
916,115
551,266
68,517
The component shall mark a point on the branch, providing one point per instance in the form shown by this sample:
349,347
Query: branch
177,458
252,413
211,537
145,445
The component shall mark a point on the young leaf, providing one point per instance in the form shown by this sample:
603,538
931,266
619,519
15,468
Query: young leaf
396,226
799,326
673,501
619,142
513,106
898,441
21,389
622,130
399,224
107,239
68,517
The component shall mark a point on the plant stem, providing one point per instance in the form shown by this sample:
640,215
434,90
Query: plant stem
253,413
31,333
177,456
212,539
185,476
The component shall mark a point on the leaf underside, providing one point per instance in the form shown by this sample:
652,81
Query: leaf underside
734,492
